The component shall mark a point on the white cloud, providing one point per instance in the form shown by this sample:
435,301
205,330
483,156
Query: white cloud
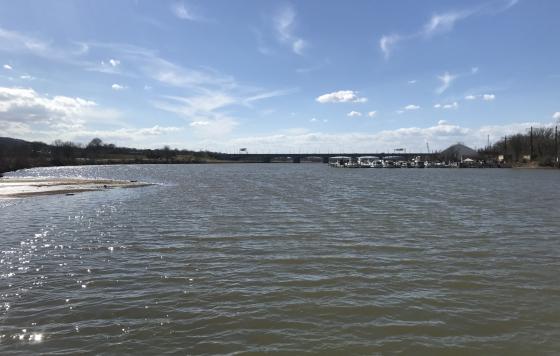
26,77
117,87
213,128
314,119
25,105
412,81
14,129
556,115
411,107
7,67
440,136
341,96
114,62
199,123
284,24
453,105
122,135
354,114
27,114
103,67
446,80
485,97
372,113
474,70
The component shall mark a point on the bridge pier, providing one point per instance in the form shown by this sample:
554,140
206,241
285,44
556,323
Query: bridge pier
296,160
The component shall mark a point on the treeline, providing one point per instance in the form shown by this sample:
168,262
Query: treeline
18,154
537,144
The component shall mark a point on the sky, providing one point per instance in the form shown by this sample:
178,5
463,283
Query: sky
279,76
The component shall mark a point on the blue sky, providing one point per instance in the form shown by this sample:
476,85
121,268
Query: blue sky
270,76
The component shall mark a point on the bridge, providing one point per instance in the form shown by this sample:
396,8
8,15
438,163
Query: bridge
322,157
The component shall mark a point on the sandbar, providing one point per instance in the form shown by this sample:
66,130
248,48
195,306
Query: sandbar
27,187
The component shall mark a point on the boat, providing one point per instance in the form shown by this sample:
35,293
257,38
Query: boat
367,161
340,161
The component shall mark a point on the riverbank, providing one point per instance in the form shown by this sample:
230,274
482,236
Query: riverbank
26,187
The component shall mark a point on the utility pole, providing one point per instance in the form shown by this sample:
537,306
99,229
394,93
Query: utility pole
505,147
556,143
531,143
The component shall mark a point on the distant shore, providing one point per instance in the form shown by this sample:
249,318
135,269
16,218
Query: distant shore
27,187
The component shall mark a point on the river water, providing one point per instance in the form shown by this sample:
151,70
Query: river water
288,258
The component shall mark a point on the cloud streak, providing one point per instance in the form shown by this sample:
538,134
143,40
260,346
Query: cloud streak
284,24
442,23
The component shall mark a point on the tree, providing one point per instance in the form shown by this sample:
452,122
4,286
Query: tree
94,147
95,143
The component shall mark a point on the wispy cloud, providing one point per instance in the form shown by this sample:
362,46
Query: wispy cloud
556,115
446,80
183,12
284,24
441,23
268,95
387,42
7,67
204,112
372,113
262,45
341,96
453,105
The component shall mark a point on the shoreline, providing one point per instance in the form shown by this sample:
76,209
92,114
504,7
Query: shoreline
28,187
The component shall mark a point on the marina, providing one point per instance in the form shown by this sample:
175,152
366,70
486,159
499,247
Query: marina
400,162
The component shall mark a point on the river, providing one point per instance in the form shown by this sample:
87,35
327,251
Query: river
288,258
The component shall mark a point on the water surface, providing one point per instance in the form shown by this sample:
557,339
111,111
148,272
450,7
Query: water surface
264,258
